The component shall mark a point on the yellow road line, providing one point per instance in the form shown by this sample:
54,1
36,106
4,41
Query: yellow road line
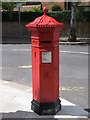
28,66
71,88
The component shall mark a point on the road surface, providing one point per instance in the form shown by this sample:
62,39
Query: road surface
73,73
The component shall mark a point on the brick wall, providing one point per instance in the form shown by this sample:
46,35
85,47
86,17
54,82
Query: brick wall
48,4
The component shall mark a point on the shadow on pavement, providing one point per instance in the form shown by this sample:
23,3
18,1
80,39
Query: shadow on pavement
66,111
23,115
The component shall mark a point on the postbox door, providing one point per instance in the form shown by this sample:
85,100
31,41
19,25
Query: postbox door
46,76
49,74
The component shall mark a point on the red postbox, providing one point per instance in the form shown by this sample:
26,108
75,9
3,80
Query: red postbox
45,64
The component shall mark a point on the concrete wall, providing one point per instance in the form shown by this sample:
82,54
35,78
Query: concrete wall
10,29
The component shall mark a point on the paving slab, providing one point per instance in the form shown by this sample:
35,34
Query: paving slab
15,102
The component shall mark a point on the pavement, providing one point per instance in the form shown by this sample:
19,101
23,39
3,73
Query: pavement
80,41
15,102
73,43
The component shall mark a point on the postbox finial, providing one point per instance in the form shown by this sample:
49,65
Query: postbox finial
44,10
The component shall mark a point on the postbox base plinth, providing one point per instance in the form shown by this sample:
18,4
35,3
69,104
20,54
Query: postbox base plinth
46,108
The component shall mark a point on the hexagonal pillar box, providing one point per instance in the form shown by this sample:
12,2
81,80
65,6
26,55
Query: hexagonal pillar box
45,64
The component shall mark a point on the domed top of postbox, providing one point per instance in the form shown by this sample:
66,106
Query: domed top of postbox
44,21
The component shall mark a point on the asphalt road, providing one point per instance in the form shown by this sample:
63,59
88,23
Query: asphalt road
16,61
